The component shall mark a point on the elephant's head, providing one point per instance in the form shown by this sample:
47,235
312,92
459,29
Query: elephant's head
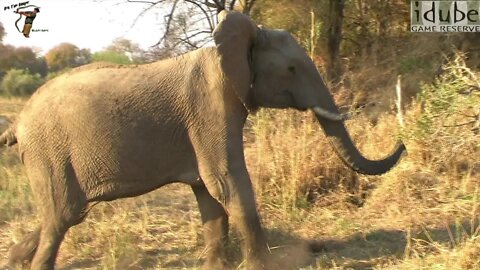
270,69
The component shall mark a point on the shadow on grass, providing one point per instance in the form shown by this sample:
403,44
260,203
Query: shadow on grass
360,251
83,264
366,250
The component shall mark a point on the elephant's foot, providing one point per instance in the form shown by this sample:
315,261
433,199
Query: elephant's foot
257,265
20,258
21,254
216,264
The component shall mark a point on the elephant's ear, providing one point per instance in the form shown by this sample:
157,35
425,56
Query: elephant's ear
234,37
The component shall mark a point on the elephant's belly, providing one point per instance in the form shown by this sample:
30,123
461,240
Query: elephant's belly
128,185
126,173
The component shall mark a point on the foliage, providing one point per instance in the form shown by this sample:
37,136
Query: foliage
371,22
188,24
2,32
19,82
293,16
21,58
15,195
112,57
413,64
52,75
450,113
158,53
128,48
66,55
121,51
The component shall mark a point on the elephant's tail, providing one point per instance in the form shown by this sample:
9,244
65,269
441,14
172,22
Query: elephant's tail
8,137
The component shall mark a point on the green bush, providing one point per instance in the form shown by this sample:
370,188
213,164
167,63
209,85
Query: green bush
112,57
53,75
451,103
448,120
18,82
414,64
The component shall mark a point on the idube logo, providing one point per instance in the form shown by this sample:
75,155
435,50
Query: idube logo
445,16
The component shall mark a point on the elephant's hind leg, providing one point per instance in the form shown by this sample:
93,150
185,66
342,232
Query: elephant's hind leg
62,204
23,252
215,228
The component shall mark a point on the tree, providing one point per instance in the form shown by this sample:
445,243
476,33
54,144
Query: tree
189,23
335,23
27,59
7,58
292,16
66,55
158,53
20,58
19,82
2,32
128,48
112,57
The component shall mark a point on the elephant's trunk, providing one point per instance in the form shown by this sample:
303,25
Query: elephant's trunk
348,152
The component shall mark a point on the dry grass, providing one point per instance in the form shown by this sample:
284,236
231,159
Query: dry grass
424,214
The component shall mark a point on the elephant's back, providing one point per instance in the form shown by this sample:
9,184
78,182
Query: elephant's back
112,124
61,108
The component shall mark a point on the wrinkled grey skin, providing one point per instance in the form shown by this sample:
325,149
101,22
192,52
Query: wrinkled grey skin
104,132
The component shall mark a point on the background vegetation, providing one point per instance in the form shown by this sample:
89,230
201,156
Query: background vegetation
424,214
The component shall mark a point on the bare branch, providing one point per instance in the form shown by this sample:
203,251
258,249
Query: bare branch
144,2
142,13
210,5
220,5
462,124
169,22
204,11
197,33
187,40
232,4
247,6
186,20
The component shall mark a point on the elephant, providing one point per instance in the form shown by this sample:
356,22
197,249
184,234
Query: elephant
103,132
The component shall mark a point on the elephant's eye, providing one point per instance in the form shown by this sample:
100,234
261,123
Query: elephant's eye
292,69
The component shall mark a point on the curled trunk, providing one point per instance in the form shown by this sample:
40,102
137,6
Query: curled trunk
350,155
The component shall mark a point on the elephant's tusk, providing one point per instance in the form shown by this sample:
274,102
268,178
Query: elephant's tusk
329,115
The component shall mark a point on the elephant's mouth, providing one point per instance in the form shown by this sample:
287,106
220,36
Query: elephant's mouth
294,103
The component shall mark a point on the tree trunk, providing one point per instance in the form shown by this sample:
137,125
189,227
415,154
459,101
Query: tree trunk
247,6
334,70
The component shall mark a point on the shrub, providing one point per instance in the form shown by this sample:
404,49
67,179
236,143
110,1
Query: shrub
449,116
112,57
53,75
19,82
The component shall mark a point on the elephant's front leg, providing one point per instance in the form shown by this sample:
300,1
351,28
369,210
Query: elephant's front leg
215,228
222,167
236,196
242,209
